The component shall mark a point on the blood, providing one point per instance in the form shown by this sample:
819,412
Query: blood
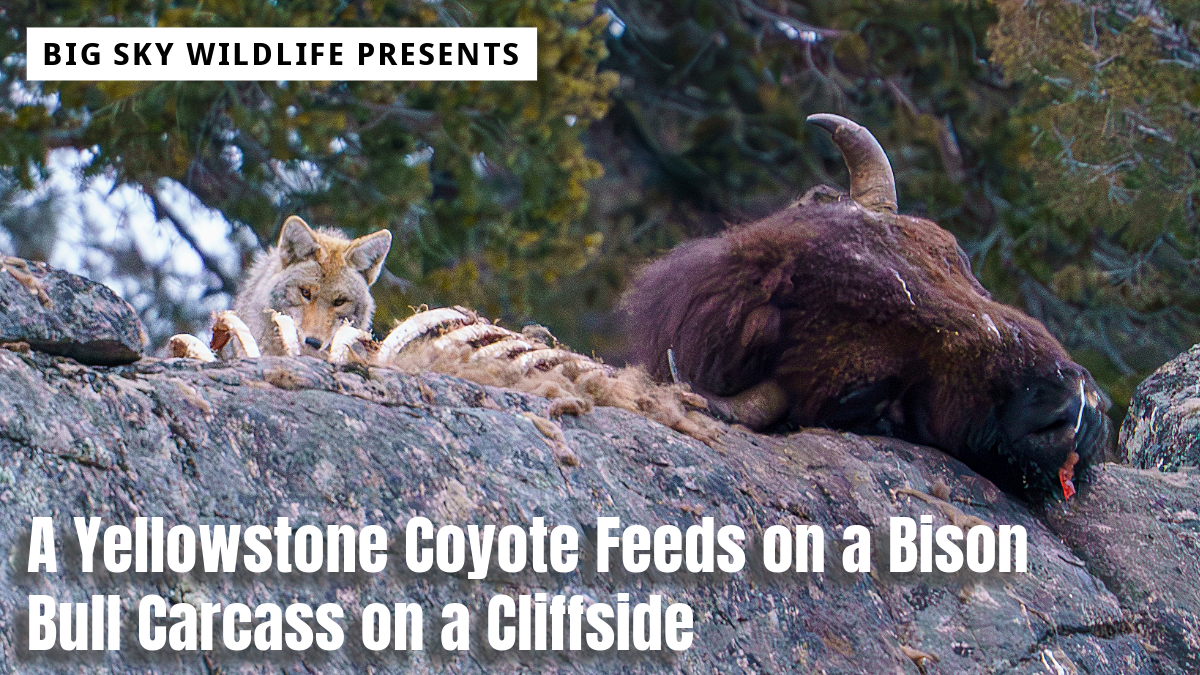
1066,475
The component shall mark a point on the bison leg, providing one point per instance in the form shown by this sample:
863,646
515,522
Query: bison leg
758,407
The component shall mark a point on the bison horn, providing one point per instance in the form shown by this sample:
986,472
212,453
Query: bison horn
872,184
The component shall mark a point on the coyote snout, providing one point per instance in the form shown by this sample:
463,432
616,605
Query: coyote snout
317,277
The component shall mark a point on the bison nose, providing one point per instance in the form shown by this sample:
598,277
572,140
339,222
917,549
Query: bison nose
1049,408
312,342
1051,427
1049,417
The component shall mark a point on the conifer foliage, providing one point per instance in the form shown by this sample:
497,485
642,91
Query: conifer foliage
1059,140
483,183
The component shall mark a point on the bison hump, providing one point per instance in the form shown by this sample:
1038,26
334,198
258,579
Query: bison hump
717,310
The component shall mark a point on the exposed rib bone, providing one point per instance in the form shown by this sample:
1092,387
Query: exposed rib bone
345,336
504,349
285,328
419,325
487,354
228,326
485,333
190,347
583,364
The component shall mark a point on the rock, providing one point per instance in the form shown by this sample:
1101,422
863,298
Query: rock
1137,531
60,313
1162,429
248,441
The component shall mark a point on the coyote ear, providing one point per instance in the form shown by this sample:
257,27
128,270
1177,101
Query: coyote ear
367,254
297,242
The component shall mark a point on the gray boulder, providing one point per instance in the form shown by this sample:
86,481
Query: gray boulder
60,313
1139,532
249,441
1162,429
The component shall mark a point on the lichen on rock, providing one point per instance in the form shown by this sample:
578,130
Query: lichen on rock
60,313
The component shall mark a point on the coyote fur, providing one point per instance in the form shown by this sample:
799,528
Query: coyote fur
318,278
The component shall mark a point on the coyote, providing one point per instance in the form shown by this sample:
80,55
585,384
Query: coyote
318,278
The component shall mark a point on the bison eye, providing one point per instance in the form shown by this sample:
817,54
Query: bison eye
339,302
306,294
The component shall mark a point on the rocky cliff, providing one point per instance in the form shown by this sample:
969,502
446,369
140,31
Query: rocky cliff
1162,428
1110,588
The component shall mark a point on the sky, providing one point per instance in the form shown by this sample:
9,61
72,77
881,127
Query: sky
100,224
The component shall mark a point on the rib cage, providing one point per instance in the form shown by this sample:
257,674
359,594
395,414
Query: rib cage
457,341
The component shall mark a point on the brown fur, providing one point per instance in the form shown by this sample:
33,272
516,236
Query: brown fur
866,321
743,290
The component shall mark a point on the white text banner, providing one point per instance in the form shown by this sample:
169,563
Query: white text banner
241,54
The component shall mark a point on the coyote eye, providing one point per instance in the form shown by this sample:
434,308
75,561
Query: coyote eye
306,294
339,302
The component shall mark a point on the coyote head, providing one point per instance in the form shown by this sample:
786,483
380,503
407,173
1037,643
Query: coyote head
318,277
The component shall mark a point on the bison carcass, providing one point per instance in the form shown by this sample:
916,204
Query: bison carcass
846,315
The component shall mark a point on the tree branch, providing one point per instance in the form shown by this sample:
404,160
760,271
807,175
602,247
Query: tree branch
228,284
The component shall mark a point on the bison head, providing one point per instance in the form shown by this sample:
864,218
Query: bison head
846,315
